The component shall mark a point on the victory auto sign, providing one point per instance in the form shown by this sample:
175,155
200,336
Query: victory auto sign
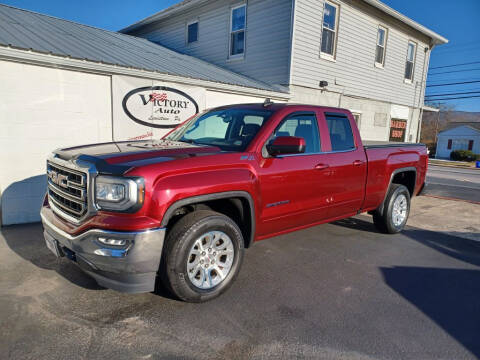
159,106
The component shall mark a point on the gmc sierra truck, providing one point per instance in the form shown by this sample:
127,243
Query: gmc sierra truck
183,209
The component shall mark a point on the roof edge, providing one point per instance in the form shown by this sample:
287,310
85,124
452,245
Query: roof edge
171,10
186,4
459,126
438,39
32,57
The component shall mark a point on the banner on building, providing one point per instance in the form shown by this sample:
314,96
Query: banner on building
146,109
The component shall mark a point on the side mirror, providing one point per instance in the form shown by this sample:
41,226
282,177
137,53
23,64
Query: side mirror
284,145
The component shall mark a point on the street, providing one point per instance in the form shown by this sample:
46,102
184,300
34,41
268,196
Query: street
335,291
453,182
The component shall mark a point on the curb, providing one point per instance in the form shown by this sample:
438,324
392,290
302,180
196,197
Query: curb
453,199
459,166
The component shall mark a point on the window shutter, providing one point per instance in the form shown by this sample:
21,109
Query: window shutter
449,147
470,145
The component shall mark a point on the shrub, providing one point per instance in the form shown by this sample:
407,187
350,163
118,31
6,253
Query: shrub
432,147
462,155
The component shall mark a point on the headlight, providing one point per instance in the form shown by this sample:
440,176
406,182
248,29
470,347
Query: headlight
118,193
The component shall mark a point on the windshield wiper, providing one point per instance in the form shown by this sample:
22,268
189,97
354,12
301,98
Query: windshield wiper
188,141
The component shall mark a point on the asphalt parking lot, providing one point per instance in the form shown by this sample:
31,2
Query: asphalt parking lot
335,291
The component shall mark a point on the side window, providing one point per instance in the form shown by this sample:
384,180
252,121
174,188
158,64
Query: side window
341,134
329,29
192,32
302,125
238,25
410,63
381,46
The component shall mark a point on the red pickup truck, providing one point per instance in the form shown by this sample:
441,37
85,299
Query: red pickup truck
184,208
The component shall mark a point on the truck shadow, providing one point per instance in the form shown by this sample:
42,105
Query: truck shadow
27,241
21,200
449,297
452,244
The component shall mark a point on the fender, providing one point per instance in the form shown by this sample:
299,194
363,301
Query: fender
395,172
215,196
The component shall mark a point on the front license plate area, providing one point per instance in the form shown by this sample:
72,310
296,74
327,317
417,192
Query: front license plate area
52,244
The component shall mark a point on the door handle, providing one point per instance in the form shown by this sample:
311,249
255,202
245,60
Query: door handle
358,162
321,166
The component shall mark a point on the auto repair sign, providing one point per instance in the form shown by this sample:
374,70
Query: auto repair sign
148,110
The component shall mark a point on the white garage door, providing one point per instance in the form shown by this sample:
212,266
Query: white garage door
42,109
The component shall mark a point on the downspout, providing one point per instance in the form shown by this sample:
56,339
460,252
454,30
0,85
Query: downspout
426,64
292,45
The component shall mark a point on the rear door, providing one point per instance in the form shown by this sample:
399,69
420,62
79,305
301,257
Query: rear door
347,163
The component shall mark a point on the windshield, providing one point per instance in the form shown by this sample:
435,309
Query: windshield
230,129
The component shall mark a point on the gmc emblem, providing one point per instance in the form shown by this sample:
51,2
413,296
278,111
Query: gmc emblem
58,179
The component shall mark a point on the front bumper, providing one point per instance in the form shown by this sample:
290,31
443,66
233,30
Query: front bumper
132,268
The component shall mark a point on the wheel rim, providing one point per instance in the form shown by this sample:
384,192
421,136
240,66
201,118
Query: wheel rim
399,213
210,259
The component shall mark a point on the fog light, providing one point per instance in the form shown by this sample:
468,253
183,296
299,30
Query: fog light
115,242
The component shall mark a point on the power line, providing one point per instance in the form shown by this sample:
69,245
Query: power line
454,98
459,93
441,91
436,81
457,83
452,65
455,71
465,43
462,49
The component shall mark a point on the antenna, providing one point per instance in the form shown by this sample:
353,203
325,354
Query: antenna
267,102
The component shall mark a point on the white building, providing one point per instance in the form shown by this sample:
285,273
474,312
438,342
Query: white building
465,136
64,84
374,59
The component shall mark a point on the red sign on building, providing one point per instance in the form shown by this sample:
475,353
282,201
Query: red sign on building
398,129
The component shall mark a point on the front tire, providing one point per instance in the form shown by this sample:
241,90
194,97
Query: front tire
202,256
395,210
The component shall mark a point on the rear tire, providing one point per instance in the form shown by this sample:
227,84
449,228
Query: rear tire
202,256
395,210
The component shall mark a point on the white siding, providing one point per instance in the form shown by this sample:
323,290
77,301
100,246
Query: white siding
42,109
353,72
267,37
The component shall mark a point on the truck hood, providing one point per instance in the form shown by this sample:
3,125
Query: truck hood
116,158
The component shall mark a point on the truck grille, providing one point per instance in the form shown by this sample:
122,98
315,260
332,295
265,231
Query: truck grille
67,191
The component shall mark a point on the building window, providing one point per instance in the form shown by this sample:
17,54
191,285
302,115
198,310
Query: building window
238,23
449,146
410,64
192,32
470,145
381,46
329,29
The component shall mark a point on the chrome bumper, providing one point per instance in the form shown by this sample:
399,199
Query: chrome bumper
131,268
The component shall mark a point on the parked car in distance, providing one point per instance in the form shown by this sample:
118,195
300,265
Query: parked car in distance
184,208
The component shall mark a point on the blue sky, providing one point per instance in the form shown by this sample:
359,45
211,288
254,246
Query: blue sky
457,20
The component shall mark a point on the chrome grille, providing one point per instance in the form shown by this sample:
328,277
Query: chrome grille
67,191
